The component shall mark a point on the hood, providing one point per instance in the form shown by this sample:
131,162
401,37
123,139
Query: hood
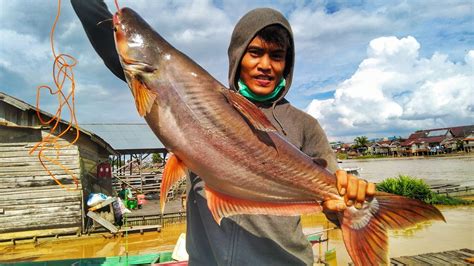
245,31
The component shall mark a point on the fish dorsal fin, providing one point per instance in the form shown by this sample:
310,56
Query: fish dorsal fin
144,97
254,116
174,171
222,205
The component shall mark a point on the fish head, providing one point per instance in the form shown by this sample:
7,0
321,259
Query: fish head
134,40
140,51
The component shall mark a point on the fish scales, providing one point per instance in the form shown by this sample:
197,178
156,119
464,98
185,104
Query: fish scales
208,110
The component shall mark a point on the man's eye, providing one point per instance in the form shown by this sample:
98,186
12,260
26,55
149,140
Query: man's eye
254,53
278,56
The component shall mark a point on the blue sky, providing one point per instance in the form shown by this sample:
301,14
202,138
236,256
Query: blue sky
374,68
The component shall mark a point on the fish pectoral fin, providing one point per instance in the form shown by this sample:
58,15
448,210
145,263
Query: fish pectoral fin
254,116
175,170
222,205
144,97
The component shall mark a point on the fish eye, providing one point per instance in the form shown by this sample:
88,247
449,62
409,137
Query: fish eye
115,28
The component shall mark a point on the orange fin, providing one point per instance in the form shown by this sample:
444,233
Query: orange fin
365,231
222,205
174,171
254,116
144,97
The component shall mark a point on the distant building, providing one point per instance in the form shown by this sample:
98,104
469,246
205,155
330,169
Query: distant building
468,142
380,147
438,140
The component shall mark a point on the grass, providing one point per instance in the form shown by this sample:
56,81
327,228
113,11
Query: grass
341,156
446,200
417,189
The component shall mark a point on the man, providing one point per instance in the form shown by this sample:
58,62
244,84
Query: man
125,193
261,57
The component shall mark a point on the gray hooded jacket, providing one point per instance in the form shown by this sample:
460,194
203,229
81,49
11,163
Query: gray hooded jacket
241,239
296,126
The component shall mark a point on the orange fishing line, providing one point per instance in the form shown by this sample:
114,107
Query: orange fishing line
62,75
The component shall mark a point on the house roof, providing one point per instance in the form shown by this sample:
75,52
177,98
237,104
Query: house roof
438,132
127,138
463,131
436,139
436,135
459,131
417,134
23,106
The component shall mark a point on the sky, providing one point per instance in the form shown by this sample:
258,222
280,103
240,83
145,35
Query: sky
372,68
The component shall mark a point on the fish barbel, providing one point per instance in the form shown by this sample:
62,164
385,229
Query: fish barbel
247,167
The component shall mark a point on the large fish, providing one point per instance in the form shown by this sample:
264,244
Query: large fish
248,168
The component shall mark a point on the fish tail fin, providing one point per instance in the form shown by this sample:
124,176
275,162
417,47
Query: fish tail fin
365,230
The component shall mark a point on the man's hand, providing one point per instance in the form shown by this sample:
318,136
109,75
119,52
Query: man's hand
354,190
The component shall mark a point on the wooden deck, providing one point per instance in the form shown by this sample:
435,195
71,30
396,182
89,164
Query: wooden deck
453,190
453,257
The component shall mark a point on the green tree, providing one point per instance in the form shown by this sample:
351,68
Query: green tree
361,141
459,144
156,158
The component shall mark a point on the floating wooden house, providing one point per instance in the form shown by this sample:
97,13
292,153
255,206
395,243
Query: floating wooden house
32,204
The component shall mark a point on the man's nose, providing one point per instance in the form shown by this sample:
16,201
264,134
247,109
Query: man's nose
264,63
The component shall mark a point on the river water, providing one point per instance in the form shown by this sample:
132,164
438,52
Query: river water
456,233
455,170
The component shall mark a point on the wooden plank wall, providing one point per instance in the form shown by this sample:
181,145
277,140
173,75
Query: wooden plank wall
91,155
32,203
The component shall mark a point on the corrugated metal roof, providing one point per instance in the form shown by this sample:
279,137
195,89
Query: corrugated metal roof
127,136
25,107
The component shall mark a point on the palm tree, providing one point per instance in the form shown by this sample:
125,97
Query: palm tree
361,142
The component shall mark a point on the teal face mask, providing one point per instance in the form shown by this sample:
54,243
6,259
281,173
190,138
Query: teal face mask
247,93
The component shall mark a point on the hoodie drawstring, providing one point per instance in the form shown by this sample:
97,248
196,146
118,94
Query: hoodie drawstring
276,119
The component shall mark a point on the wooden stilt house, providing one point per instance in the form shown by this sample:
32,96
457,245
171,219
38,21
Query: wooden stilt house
32,204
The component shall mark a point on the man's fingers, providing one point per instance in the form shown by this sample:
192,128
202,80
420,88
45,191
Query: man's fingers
352,187
334,205
341,178
370,192
361,193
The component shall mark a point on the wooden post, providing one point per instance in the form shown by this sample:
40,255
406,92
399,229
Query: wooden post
140,171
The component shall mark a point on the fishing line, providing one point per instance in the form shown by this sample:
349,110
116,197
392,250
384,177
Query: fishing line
63,77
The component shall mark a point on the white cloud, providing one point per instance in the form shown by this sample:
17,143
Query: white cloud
395,90
330,47
25,55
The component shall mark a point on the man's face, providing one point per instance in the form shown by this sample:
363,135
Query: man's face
262,66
